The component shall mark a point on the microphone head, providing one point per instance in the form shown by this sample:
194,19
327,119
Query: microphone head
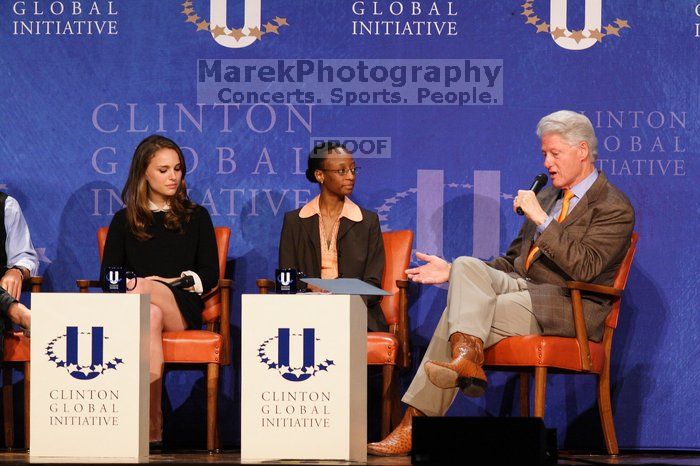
539,182
186,281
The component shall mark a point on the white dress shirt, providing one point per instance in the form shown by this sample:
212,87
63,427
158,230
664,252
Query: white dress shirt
18,244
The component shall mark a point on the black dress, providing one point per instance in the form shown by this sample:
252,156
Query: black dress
167,254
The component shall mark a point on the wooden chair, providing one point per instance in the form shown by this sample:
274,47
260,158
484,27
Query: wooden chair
16,353
543,354
387,349
210,346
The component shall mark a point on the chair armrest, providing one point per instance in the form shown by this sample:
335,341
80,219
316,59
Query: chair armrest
225,286
84,285
264,285
579,322
403,327
222,283
34,283
580,328
600,289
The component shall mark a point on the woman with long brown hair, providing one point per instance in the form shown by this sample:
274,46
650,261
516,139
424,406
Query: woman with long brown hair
162,236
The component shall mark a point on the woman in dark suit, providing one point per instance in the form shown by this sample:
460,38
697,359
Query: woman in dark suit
331,236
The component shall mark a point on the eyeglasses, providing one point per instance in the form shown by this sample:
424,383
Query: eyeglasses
343,171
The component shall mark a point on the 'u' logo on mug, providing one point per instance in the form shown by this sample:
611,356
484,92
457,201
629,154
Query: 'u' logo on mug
115,280
286,281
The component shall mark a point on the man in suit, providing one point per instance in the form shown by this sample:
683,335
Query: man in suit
578,229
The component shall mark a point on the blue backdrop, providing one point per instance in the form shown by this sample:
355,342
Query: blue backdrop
84,82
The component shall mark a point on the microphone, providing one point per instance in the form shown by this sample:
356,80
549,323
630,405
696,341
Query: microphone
183,282
538,183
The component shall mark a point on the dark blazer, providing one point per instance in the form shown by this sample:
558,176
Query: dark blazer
587,246
360,253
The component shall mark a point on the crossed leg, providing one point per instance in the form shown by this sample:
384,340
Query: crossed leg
165,316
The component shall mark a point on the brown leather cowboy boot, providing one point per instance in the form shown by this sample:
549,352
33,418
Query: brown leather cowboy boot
398,442
464,371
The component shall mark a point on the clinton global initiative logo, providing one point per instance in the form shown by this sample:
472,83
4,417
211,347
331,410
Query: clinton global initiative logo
66,350
275,353
581,39
227,35
65,18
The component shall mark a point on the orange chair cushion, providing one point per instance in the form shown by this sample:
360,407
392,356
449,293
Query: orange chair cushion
381,348
537,350
192,346
16,347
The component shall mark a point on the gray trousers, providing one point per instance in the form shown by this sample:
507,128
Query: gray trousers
482,302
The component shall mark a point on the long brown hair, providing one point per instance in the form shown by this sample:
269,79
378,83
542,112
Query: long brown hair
135,192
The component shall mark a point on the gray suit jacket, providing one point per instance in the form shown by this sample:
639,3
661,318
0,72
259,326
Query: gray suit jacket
587,246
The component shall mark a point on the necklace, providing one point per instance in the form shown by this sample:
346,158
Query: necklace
328,223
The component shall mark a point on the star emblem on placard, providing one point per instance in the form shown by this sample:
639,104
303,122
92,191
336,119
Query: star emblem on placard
76,370
528,11
272,26
297,373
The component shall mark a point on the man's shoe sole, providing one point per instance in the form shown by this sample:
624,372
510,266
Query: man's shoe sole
446,378
386,454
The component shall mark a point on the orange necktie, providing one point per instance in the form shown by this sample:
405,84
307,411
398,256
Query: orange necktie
568,195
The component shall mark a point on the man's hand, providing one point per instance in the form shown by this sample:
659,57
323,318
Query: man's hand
435,271
12,282
20,315
527,201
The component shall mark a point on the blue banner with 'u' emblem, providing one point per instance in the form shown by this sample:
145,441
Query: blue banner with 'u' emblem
439,99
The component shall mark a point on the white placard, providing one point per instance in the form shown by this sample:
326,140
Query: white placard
89,376
304,377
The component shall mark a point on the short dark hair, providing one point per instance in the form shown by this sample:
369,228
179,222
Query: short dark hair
319,153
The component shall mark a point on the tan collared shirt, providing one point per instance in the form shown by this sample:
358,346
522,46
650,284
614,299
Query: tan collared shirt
329,251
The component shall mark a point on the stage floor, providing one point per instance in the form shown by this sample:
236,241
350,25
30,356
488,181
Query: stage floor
234,457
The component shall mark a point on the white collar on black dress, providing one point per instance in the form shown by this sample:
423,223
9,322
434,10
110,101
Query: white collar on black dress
154,208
